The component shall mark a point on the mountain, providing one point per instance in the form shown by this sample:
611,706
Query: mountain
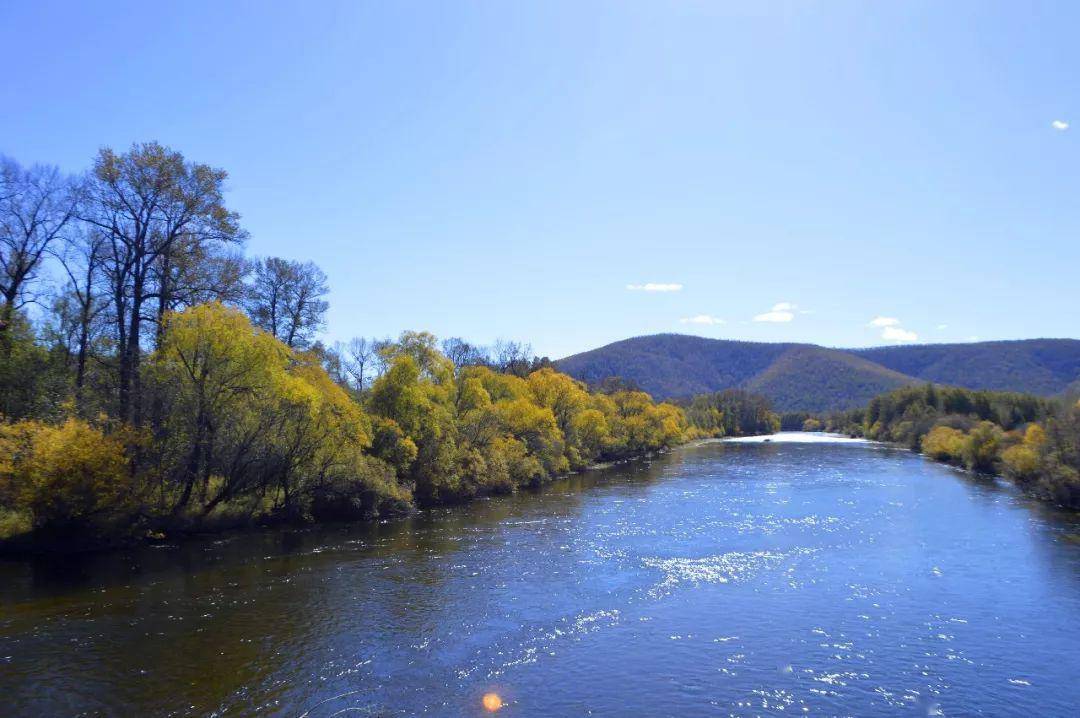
806,377
668,365
1035,366
812,378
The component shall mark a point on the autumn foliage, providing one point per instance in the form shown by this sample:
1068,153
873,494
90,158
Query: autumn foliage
242,428
72,474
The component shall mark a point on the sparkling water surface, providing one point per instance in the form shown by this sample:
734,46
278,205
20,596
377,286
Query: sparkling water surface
736,578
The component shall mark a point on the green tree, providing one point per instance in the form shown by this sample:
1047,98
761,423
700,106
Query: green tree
982,447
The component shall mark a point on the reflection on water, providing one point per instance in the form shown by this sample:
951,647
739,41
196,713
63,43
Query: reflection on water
744,579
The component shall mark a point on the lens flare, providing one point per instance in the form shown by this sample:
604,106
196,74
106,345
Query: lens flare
492,702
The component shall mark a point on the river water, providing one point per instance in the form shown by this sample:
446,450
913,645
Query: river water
748,578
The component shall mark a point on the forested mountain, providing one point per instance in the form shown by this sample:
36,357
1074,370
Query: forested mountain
810,378
805,377
675,364
1035,366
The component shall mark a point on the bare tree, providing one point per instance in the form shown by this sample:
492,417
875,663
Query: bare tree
512,357
361,358
286,299
196,272
83,302
153,206
36,205
462,353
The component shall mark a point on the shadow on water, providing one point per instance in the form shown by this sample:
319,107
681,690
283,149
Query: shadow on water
194,626
424,532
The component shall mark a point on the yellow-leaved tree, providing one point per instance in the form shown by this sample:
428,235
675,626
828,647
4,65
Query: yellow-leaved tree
944,443
250,427
1022,462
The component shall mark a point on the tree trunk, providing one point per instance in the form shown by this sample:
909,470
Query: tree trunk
133,384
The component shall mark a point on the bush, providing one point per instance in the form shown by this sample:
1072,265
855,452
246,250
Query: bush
32,382
58,476
364,488
14,522
982,447
1020,463
1023,462
944,443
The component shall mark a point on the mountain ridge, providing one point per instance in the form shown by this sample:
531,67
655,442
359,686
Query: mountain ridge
810,377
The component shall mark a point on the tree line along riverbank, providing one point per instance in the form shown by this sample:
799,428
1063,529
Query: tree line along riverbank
156,381
1033,441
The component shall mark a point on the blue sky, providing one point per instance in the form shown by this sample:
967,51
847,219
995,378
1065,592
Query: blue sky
509,169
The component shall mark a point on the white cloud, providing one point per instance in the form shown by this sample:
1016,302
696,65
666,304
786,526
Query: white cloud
942,326
891,331
701,319
781,312
1060,125
896,334
654,287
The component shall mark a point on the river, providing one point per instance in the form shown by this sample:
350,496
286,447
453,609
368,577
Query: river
746,578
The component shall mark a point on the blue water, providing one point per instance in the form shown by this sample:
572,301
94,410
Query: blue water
724,579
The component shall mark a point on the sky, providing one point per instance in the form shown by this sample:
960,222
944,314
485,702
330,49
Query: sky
575,173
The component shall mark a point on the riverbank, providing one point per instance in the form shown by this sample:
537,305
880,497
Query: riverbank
1032,441
151,531
260,432
952,460
1030,487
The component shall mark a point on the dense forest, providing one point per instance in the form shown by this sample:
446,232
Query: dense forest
1043,367
154,379
732,412
1032,440
809,378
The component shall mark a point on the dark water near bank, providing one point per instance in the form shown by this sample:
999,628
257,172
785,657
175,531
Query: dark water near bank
734,579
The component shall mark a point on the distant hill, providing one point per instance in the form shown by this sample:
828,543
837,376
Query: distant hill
1035,366
806,377
811,378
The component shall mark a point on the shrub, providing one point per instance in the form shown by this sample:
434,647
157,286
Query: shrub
14,522
944,443
362,488
1023,462
1020,462
61,475
982,447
